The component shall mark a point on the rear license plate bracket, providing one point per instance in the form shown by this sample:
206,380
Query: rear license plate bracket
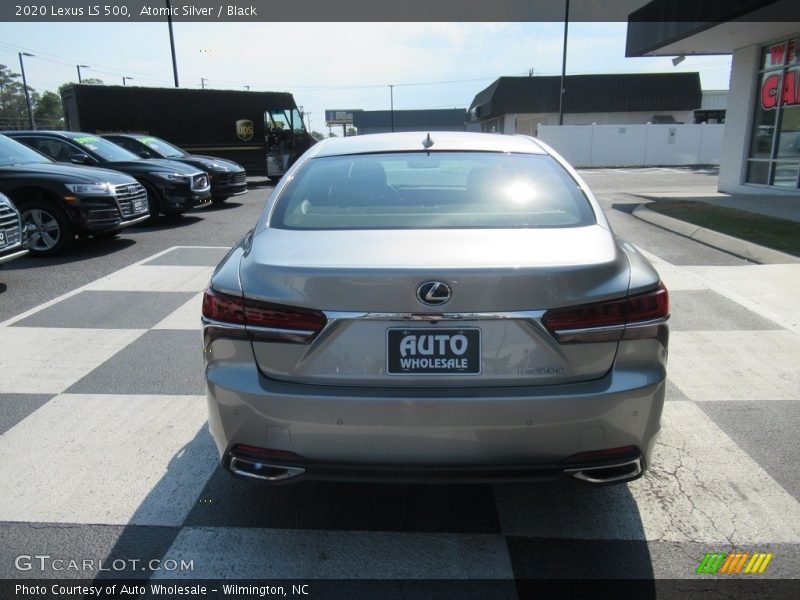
433,351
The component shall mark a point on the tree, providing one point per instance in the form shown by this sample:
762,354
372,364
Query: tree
48,112
13,108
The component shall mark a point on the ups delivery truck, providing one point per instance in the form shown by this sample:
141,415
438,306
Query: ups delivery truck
262,131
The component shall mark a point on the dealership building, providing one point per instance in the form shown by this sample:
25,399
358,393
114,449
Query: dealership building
520,104
762,120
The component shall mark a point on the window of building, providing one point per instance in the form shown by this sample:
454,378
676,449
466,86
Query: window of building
774,157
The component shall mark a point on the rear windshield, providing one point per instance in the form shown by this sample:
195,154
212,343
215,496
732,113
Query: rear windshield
432,191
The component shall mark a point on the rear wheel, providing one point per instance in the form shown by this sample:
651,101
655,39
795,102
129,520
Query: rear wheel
48,229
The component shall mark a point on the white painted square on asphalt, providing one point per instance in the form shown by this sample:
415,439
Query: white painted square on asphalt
105,459
701,487
152,278
769,290
47,360
185,317
735,365
237,553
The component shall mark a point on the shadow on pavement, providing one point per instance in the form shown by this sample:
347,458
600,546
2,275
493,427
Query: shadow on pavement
82,250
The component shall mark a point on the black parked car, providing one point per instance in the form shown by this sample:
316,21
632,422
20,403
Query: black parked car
12,244
59,201
172,187
227,177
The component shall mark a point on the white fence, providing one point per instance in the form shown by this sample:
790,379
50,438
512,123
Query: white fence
635,145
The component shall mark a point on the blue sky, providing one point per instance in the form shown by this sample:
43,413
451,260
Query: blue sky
332,65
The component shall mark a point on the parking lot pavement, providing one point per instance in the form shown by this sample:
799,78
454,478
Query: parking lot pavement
105,454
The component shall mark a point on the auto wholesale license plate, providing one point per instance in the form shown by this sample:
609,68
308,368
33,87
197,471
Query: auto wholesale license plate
433,351
138,206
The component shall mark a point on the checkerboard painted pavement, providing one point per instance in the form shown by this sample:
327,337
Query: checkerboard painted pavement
105,452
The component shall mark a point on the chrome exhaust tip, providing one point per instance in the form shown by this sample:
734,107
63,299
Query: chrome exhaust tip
262,471
611,473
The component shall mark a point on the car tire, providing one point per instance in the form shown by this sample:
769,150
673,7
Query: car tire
48,228
153,199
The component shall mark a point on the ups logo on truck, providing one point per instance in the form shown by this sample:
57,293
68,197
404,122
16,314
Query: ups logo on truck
244,129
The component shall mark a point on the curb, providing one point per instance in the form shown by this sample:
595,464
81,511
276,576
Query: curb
715,239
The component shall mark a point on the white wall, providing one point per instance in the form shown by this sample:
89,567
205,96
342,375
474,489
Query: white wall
635,145
526,123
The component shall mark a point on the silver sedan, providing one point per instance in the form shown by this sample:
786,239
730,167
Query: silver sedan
434,307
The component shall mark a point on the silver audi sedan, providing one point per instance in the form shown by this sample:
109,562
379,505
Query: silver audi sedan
434,307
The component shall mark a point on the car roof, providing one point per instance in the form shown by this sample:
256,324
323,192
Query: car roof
66,134
413,141
130,136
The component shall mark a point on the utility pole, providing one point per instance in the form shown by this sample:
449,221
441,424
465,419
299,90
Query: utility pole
391,106
125,79
202,83
25,87
563,68
79,72
172,42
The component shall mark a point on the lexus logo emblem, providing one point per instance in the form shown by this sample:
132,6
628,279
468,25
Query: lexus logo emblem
434,293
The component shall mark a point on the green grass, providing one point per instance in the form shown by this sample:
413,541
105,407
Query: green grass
771,232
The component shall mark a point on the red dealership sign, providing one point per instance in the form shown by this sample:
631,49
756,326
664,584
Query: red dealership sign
772,89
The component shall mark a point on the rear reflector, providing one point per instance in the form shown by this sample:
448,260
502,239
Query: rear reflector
641,307
233,309
257,452
605,454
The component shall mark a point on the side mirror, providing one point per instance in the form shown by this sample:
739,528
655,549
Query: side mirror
81,159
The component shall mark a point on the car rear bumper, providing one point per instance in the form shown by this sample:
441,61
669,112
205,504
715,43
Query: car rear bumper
444,434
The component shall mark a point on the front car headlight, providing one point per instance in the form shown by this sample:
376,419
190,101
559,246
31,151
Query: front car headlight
103,189
171,176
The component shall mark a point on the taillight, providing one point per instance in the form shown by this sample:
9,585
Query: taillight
233,309
648,306
261,314
222,307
